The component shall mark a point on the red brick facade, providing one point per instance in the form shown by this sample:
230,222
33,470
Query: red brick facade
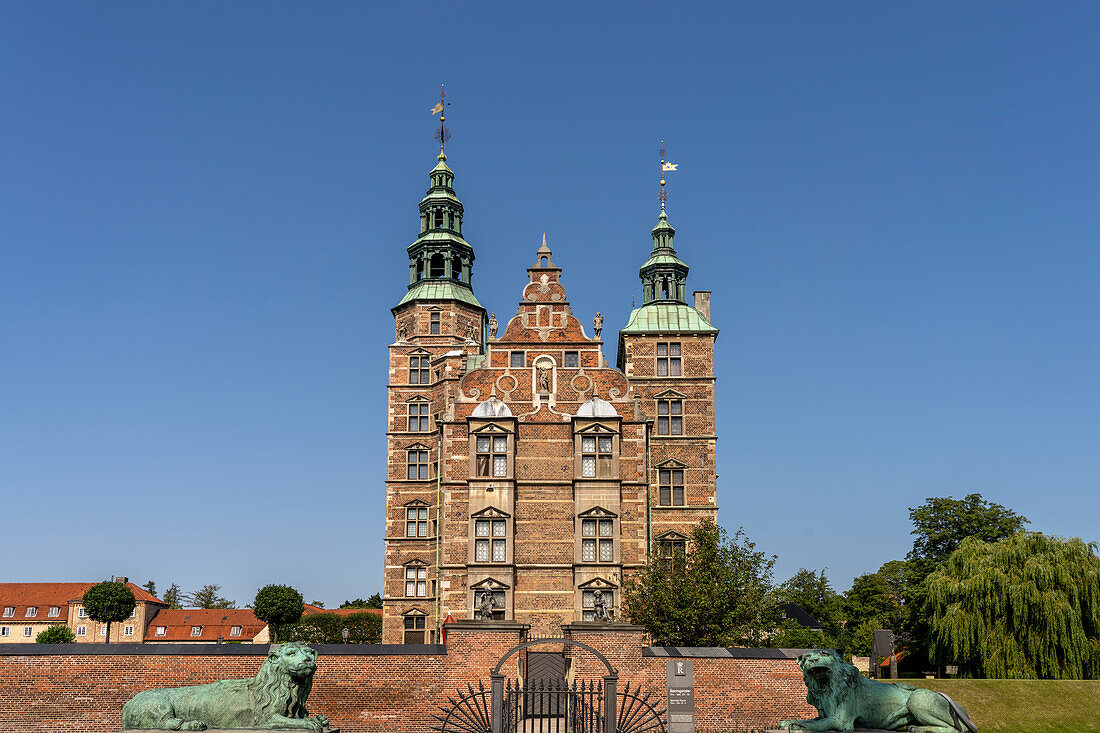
377,690
527,467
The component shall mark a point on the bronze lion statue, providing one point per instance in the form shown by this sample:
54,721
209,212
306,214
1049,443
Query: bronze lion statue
845,700
274,698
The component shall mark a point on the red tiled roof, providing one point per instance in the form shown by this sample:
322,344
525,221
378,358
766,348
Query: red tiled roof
44,595
215,622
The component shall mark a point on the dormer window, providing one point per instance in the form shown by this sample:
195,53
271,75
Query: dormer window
162,630
234,630
32,611
196,631
54,611
9,611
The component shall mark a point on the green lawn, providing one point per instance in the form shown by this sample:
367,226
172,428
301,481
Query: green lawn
1025,706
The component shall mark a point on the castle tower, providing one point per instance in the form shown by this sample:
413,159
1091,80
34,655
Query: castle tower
439,322
666,351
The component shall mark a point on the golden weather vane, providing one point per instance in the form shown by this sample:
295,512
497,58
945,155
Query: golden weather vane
442,135
665,167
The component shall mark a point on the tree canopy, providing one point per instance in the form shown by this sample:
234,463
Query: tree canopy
173,597
717,593
940,525
150,588
208,596
109,601
1027,606
56,634
813,592
373,601
278,605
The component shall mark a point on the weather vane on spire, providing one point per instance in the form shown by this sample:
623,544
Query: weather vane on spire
442,135
665,167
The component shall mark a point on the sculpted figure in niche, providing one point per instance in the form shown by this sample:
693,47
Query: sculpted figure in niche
600,610
597,324
274,698
493,326
485,606
403,332
544,379
471,331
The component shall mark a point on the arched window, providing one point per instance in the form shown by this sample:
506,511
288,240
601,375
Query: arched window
435,269
456,268
664,289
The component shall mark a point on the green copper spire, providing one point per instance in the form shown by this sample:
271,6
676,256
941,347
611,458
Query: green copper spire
664,275
440,260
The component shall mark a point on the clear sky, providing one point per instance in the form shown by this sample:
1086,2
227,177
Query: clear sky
204,209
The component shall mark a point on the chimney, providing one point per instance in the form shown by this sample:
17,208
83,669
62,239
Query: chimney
702,303
121,579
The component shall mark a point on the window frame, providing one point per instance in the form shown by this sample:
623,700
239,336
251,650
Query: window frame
435,323
672,486
597,539
31,612
492,462
81,630
671,420
127,630
28,631
491,540
418,581
588,612
571,356
235,630
416,522
82,612
418,422
602,461
517,360
9,611
667,359
419,626
417,463
196,631
420,366
54,612
161,631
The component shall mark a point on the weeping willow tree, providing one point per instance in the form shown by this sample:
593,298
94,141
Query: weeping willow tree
1024,607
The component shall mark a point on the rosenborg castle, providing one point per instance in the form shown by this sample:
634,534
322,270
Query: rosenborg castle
525,471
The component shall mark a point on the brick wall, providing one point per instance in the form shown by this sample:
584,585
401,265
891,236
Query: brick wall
381,689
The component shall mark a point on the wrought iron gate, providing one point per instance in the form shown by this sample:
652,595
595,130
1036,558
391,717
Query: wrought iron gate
551,706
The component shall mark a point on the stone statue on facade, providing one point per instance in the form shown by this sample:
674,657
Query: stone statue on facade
471,331
274,698
485,606
544,379
493,326
844,699
600,610
402,333
597,324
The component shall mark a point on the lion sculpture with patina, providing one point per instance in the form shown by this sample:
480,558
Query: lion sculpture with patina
274,698
846,700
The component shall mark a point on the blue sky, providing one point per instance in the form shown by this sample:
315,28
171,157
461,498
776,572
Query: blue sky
204,209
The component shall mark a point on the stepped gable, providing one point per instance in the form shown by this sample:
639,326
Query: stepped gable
545,331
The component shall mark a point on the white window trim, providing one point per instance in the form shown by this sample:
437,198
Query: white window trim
81,612
81,630
128,631
196,631
5,631
162,630
235,631
54,612
32,611
9,611
28,630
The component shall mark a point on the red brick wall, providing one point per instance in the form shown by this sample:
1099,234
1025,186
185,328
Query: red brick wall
380,693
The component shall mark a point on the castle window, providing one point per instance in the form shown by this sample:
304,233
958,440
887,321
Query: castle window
416,581
670,419
668,359
55,611
417,464
673,548
492,456
433,322
596,456
597,540
234,630
515,360
32,611
416,521
418,370
490,540
414,628
671,486
418,417
572,359
588,603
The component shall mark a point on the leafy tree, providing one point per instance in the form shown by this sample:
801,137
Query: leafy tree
718,593
109,601
151,588
940,525
208,597
813,592
793,635
173,597
328,628
1027,606
277,605
374,601
56,634
319,604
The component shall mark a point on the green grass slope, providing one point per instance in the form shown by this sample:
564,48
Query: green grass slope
1025,706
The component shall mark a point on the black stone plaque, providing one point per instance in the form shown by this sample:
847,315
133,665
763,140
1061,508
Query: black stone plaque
680,675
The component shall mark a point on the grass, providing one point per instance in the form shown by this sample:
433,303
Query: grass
1025,706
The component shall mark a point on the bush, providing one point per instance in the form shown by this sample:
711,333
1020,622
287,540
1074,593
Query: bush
56,634
327,628
108,602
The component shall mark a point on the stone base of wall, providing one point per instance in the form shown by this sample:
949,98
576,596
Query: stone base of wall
384,688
